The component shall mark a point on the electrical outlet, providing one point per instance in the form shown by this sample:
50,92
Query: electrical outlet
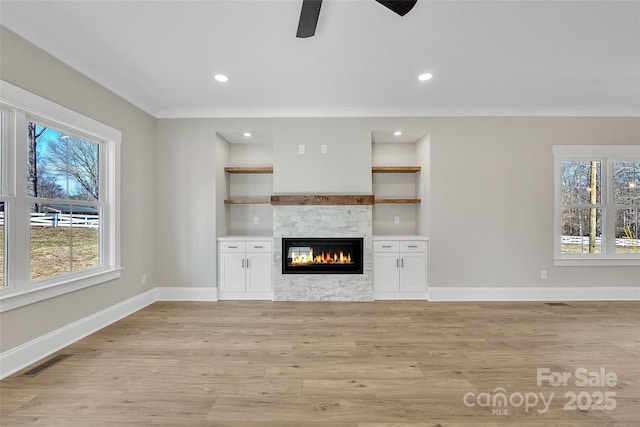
300,148
396,219
143,279
543,274
256,220
323,149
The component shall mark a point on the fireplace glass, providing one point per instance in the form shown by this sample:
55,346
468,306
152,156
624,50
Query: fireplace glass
322,255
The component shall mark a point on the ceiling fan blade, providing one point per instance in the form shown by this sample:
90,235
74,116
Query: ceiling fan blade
401,7
308,18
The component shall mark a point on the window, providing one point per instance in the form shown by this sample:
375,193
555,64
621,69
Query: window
59,213
597,205
63,189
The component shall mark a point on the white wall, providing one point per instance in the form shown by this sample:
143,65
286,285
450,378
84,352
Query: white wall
28,67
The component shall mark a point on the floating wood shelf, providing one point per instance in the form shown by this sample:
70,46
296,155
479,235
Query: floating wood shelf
397,201
395,169
321,199
247,201
249,169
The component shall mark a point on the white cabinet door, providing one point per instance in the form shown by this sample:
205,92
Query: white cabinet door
259,272
385,272
232,272
412,272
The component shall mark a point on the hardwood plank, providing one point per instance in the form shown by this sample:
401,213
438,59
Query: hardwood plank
248,169
395,169
247,201
321,199
354,369
305,409
397,201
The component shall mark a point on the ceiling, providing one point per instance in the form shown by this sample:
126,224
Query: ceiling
487,57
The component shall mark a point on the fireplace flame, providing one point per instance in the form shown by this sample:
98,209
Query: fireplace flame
323,258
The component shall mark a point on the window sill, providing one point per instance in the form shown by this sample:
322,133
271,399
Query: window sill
591,262
61,287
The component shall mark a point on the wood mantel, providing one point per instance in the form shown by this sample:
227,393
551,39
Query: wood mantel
321,199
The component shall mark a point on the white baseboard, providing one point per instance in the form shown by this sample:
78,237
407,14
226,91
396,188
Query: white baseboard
187,294
399,296
258,296
613,293
24,355
20,357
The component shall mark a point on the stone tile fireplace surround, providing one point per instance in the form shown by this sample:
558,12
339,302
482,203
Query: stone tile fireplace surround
322,220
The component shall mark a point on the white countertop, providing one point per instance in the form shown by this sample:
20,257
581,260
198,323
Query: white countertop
253,238
262,238
400,237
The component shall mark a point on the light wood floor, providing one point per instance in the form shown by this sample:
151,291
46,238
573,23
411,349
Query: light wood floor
381,364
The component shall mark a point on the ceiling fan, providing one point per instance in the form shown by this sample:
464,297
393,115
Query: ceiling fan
311,11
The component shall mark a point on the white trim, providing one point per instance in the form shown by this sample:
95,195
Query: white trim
24,355
262,296
459,111
63,286
613,293
207,293
392,296
595,262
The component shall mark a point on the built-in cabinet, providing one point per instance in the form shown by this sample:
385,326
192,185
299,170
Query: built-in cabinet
399,255
244,268
400,267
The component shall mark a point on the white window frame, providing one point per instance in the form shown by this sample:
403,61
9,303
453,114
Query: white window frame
24,106
606,154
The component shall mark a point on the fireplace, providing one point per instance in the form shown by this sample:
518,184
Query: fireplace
326,255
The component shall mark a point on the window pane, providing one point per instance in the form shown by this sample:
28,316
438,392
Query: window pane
578,179
61,166
627,226
2,243
626,182
581,231
85,237
50,240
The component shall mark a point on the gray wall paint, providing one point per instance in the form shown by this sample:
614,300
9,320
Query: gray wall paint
345,169
26,66
186,203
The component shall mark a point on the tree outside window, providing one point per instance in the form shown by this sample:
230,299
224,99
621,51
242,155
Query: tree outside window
63,182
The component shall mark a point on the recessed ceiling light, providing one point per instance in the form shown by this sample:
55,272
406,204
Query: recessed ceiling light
247,134
221,78
424,77
397,133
